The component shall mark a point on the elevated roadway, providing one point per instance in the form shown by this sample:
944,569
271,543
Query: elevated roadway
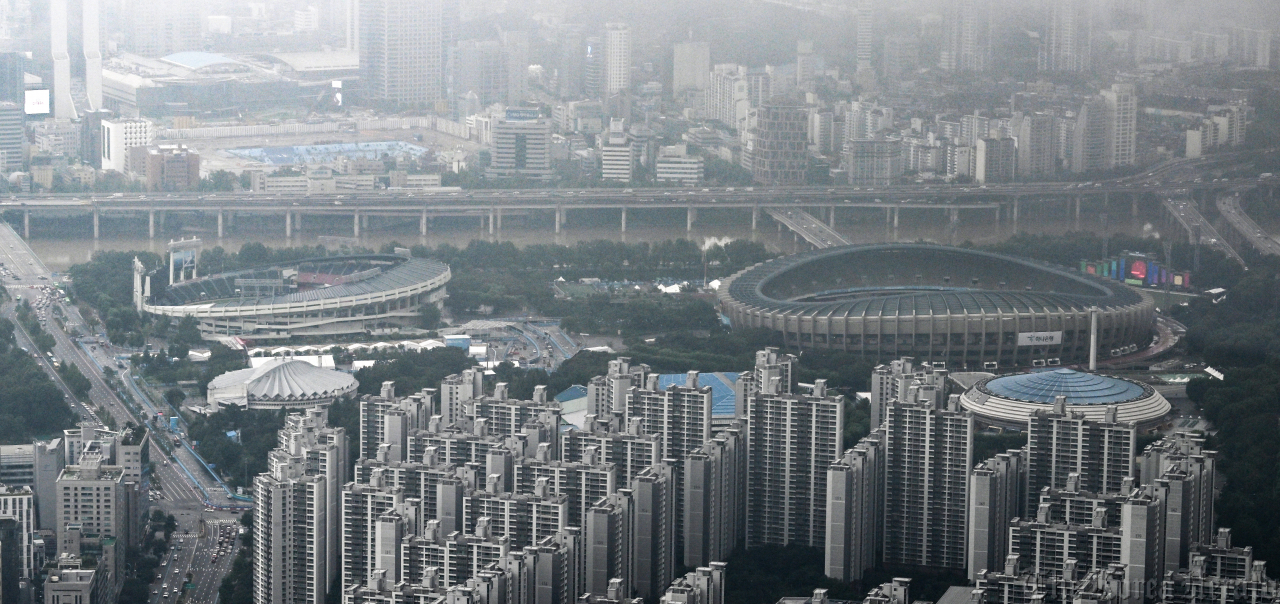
1244,226
809,227
1183,209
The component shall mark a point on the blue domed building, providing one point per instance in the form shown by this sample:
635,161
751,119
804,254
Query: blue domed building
1009,401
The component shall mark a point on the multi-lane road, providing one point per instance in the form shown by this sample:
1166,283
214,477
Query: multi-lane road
1229,207
174,490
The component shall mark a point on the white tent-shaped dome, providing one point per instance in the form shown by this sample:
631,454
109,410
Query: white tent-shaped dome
280,384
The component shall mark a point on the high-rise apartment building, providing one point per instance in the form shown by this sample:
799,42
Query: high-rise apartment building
1250,48
617,58
928,453
779,143
995,498
1181,462
714,498
1067,41
690,67
403,44
1035,141
873,161
13,140
901,378
297,516
995,160
1121,103
727,99
1061,444
855,502
1089,143
792,439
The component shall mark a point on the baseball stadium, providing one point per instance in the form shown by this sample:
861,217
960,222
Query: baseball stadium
963,308
335,295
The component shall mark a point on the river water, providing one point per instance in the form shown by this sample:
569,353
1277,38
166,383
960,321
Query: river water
63,242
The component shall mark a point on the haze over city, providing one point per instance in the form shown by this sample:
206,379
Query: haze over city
624,302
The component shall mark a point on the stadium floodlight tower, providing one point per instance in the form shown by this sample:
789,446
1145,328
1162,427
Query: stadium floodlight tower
1093,339
184,253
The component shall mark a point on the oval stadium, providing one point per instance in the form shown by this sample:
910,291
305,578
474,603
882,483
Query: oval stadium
963,308
335,295
1009,401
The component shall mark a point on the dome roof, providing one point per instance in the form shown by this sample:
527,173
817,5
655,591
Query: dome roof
287,380
1079,388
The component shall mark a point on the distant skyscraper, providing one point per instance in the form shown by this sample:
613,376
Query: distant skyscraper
161,27
13,140
593,68
1067,41
727,100
690,67
928,453
569,75
968,36
617,58
1089,137
402,49
779,143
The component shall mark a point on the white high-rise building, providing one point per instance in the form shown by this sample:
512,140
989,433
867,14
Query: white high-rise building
995,498
617,154
1034,133
297,519
928,454
1121,125
521,146
890,382
119,136
617,58
967,46
855,503
728,98
792,439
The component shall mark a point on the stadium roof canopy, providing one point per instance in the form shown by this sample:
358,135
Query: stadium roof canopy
1078,388
286,380
196,60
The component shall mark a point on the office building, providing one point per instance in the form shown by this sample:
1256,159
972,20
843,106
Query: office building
675,164
779,151
618,161
928,453
521,146
572,55
900,57
13,140
479,68
792,439
48,461
714,498
995,498
593,68
1067,41
119,136
167,167
13,69
855,501
873,161
690,68
1121,127
403,44
1062,444
297,516
70,584
995,160
617,58
17,540
95,498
